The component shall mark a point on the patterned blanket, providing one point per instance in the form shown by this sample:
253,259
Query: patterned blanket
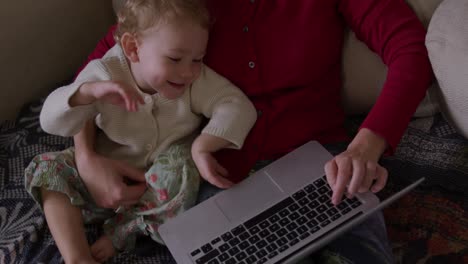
429,225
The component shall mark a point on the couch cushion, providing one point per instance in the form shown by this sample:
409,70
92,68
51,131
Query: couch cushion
447,43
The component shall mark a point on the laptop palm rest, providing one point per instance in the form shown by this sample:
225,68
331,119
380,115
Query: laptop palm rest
241,201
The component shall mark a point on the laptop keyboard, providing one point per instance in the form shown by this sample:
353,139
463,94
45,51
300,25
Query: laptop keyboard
277,228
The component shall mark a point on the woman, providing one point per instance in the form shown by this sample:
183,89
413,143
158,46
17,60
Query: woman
286,56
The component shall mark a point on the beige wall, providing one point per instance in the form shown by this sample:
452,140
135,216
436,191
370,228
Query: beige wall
44,42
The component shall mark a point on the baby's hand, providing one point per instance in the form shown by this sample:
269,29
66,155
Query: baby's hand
211,170
113,92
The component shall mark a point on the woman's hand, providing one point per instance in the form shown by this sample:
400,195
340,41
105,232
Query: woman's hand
112,92
356,170
107,180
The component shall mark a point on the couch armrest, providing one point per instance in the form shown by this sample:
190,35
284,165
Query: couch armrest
44,42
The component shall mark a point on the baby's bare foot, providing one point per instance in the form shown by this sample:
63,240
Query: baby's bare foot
102,249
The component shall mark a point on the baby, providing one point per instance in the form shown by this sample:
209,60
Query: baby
148,95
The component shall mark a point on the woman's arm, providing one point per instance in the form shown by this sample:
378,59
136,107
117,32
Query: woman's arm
105,178
391,29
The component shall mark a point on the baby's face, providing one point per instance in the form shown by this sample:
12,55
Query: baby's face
170,57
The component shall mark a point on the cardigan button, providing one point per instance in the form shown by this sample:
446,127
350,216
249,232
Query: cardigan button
148,99
252,64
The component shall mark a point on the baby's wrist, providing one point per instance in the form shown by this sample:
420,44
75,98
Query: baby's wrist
81,96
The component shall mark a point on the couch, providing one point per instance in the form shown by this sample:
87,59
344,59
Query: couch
48,40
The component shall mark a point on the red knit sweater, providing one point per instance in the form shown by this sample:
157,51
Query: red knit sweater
286,56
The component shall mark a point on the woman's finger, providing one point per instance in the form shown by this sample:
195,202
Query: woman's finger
330,172
381,180
370,177
343,175
359,174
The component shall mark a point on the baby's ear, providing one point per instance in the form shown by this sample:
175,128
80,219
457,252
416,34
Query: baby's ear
129,45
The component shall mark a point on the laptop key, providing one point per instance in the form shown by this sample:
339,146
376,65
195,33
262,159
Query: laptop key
254,230
302,220
292,235
233,251
322,217
223,257
241,256
274,227
336,216
302,229
304,210
206,248
319,183
213,261
215,241
325,223
264,233
238,230
299,195
272,238
274,218
284,212
304,235
272,254
262,260
284,221
234,241
261,253
250,260
227,236
251,250
224,247
304,201
195,252
282,241
291,226
293,207
282,232
244,236
231,261
209,256
264,224
310,188
269,212
272,247
294,216
294,242
244,245
283,248
261,244
254,239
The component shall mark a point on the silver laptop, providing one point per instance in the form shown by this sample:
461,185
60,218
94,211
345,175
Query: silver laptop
280,214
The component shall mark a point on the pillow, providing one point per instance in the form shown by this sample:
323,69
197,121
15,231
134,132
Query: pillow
447,44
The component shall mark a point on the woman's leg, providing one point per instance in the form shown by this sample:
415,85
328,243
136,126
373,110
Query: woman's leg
66,225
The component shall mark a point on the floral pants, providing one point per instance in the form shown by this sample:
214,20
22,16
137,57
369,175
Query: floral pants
172,181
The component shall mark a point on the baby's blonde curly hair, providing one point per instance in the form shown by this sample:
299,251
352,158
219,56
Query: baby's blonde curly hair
137,15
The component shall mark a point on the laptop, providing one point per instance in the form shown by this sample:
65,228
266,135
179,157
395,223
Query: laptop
280,214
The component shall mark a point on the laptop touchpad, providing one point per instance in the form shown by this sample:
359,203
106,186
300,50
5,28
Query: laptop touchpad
244,200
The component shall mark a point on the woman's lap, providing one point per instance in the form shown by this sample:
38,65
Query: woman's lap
365,243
